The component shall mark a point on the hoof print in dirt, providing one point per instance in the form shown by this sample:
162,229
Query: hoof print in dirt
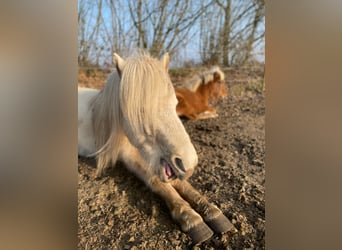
220,224
200,233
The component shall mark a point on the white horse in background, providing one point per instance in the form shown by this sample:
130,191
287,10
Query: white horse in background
133,120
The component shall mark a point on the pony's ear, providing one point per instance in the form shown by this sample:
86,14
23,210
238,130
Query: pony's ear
119,63
165,60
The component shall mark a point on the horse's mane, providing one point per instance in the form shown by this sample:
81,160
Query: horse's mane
105,110
128,101
204,78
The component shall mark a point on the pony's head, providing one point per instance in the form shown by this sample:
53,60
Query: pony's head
147,103
210,82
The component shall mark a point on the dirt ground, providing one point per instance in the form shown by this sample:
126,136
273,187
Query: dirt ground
119,212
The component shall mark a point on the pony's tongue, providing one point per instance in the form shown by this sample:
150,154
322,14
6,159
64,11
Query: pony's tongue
168,170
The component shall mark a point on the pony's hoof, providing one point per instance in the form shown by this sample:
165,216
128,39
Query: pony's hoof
200,233
220,224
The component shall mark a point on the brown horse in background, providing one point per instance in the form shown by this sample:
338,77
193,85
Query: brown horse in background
194,99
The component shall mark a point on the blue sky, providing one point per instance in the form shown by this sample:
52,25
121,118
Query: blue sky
189,51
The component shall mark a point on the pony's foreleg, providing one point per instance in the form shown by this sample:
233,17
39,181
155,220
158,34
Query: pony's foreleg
212,215
206,115
190,221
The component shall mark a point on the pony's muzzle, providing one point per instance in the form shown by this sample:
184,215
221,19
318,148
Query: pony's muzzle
175,169
181,171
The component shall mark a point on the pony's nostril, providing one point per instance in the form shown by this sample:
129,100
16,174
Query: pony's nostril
179,164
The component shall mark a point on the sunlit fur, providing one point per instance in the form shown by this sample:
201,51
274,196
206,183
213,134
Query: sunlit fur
197,95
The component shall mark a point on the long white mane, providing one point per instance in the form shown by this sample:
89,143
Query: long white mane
128,101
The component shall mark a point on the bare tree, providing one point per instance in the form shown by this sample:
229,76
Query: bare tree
164,25
235,32
222,31
88,32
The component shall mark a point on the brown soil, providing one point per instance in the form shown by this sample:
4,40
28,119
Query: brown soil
119,212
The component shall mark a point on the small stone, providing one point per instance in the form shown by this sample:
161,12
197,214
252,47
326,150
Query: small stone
175,242
257,162
213,188
154,211
225,238
222,162
217,242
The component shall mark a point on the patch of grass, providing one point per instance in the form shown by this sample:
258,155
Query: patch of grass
179,72
255,86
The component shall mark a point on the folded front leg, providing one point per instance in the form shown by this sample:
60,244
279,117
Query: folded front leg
211,214
190,221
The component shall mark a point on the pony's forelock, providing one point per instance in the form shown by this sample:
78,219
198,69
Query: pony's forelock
141,92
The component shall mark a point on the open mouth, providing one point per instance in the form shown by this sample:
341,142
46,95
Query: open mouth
168,171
